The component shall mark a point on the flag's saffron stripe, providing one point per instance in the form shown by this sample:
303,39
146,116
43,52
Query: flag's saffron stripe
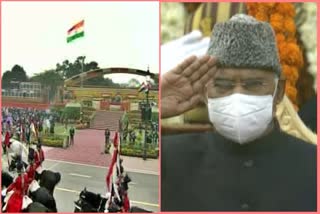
76,26
75,36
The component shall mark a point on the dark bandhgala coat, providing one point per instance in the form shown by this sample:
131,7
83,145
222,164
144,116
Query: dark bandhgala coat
206,172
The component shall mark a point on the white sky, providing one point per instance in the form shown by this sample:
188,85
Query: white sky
117,34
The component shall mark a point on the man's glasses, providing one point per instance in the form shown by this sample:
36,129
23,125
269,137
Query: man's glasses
250,86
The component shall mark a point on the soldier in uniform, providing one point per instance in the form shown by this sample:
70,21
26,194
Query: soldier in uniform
107,139
7,140
38,159
27,132
246,163
16,192
31,170
71,135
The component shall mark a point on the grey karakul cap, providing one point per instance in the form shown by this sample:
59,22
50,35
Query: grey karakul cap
244,42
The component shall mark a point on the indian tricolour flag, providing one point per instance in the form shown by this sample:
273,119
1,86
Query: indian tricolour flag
76,31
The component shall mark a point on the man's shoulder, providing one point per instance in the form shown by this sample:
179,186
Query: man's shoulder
295,145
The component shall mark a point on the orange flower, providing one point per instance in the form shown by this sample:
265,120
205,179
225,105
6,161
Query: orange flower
280,38
277,26
291,73
262,17
294,55
291,39
290,54
282,51
289,26
276,17
269,5
251,8
286,9
276,21
291,92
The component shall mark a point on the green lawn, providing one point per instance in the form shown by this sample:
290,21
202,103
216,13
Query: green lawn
60,130
59,136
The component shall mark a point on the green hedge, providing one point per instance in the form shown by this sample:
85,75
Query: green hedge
58,110
137,150
71,113
53,141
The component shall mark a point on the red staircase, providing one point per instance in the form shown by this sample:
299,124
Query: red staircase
106,120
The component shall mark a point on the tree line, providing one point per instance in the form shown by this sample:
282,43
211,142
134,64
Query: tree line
52,78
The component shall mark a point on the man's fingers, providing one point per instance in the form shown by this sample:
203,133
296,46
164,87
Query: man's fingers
189,103
201,83
204,69
207,77
194,67
182,66
212,62
199,72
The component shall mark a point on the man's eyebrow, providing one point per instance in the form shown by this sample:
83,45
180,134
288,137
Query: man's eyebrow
222,79
253,78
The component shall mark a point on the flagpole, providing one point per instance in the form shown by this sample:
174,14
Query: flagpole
147,119
82,70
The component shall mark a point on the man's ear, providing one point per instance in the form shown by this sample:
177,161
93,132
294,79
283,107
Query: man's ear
280,90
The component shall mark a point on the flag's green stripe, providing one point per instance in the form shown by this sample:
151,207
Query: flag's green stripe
75,36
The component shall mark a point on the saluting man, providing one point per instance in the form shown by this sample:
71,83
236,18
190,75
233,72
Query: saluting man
246,163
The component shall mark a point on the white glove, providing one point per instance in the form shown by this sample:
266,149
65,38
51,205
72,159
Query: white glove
107,195
174,52
4,192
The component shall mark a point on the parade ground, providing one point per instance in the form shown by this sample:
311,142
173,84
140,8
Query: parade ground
83,166
143,190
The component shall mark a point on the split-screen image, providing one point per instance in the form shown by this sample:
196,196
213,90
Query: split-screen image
154,106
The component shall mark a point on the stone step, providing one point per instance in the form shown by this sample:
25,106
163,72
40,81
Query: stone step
106,119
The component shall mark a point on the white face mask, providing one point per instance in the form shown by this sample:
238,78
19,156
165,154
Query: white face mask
241,118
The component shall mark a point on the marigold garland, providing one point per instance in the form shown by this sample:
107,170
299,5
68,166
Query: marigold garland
281,17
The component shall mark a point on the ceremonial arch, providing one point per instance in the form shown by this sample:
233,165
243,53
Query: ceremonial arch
99,102
76,80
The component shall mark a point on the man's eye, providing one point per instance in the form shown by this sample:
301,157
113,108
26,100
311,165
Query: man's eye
223,84
253,84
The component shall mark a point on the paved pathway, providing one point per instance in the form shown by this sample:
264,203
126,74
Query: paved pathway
87,149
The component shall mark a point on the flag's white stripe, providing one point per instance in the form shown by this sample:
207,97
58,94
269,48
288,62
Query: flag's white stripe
75,31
